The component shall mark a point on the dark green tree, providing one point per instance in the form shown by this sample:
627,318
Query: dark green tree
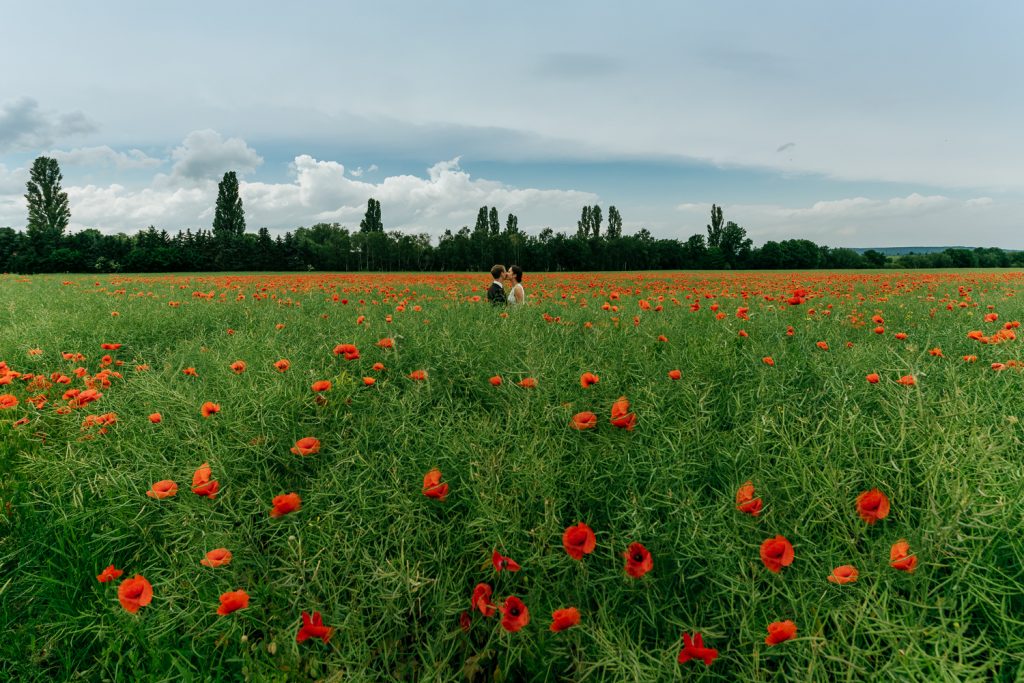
583,224
512,224
493,222
228,216
483,224
716,227
614,231
371,221
48,210
595,221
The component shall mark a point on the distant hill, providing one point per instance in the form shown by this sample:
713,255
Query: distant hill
899,251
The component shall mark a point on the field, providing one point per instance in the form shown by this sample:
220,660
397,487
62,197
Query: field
773,389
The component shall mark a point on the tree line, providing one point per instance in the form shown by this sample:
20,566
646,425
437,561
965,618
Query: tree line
45,245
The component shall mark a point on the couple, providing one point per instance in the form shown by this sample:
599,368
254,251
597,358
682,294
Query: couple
513,277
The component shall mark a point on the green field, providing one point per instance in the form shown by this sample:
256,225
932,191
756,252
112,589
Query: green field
393,570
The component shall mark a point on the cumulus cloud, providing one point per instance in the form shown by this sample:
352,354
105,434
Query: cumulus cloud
24,126
206,155
317,191
12,181
105,156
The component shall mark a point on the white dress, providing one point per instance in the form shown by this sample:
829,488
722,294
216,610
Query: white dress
516,295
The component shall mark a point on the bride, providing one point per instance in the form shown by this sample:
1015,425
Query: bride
516,295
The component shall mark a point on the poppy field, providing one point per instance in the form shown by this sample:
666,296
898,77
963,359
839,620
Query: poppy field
632,477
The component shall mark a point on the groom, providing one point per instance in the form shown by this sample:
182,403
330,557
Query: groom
496,292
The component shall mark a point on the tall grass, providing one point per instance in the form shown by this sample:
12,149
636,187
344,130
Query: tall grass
392,570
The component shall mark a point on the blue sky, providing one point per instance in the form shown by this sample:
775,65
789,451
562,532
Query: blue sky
867,124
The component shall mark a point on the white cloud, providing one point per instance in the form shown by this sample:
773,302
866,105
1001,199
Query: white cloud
24,126
979,201
105,156
205,155
12,182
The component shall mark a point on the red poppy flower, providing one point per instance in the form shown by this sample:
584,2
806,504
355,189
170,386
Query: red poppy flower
584,420
872,378
209,408
776,553
216,558
163,489
674,374
588,379
481,600
937,352
285,503
693,648
321,385
418,375
901,335
432,486
769,361
745,501
638,560
306,446
115,347
501,562
377,366
621,417
900,557
386,343
822,345
780,631
231,601
282,365
872,506
495,381
191,372
238,367
464,621
843,574
663,338
879,330
156,418
109,574
201,484
579,540
134,593
514,614
907,380
564,618
527,383
313,627
369,381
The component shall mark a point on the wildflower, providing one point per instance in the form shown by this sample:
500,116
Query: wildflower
776,553
501,562
745,501
134,593
220,557
156,418
872,506
578,541
238,367
321,385
528,383
201,484
564,618
780,631
285,503
232,601
306,446
209,408
900,557
588,379
282,365
584,420
872,378
109,574
843,574
495,381
163,489
432,486
638,560
693,648
675,374
313,627
418,375
621,417
514,614
481,600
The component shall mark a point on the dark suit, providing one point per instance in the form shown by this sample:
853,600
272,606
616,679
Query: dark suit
496,294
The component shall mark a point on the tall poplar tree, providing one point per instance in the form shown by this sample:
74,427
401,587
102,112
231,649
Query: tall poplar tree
48,210
228,216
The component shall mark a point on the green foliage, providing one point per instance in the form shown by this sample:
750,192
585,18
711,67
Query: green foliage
228,216
48,209
392,570
372,221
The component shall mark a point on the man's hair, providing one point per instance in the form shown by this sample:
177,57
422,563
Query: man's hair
496,271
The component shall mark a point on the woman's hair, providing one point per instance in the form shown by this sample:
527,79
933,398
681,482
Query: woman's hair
518,272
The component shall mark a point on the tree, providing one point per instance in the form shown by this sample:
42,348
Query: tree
614,231
371,221
875,259
583,224
595,221
229,216
48,210
716,227
483,223
512,224
493,222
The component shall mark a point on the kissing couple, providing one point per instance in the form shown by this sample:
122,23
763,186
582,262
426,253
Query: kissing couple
512,279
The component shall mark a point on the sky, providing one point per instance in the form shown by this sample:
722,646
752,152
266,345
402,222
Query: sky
850,124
